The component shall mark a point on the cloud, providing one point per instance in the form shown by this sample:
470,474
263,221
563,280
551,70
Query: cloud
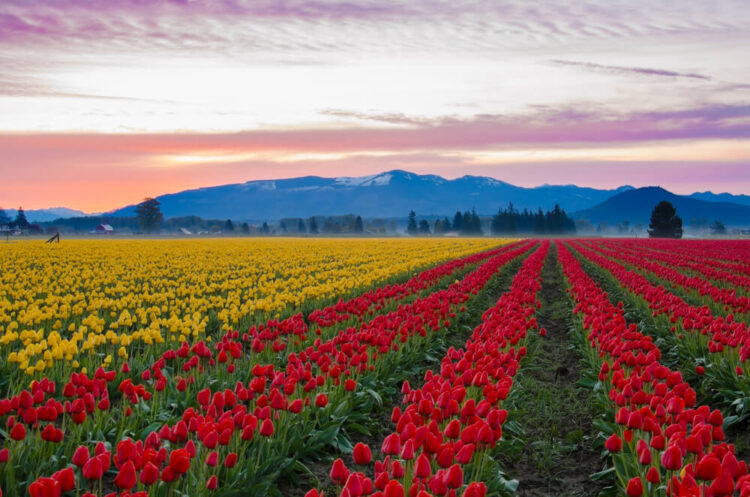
566,127
636,71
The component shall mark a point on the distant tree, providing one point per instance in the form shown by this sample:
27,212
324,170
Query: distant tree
458,221
700,223
718,228
245,228
446,225
149,214
229,226
313,226
539,222
21,222
265,229
411,226
665,223
359,226
301,226
424,227
4,219
437,227
282,225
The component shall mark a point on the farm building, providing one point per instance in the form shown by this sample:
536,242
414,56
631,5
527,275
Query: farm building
104,229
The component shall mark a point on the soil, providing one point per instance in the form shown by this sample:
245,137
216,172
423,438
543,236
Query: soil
554,412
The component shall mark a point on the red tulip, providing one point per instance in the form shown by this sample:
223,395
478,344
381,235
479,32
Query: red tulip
267,429
93,469
635,487
361,454
149,474
454,477
18,432
391,445
422,467
179,461
723,485
67,479
708,468
671,459
321,400
212,483
613,443
213,459
393,489
126,478
4,455
231,460
339,473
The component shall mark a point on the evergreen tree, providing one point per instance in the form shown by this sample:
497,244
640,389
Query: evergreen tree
446,225
313,226
149,214
411,226
458,222
665,223
539,222
21,222
229,226
265,229
424,227
438,227
301,226
4,219
359,226
282,225
476,224
718,228
245,228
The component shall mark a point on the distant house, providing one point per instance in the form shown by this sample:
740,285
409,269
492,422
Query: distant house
104,229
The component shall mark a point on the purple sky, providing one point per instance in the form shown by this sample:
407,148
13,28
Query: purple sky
105,102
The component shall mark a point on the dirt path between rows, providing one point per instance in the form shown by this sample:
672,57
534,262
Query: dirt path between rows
556,452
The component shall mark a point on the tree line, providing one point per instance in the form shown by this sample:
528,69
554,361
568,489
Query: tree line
507,221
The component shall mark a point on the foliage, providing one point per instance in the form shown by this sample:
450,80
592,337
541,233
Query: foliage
149,214
665,223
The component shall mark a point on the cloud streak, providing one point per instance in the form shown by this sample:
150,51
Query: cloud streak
632,71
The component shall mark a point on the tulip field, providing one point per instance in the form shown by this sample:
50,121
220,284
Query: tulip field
375,367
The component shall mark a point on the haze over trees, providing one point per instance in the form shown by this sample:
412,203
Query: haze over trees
510,221
665,223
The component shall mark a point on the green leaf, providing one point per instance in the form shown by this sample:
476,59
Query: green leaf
607,474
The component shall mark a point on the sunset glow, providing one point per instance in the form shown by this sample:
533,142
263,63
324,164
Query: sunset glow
103,103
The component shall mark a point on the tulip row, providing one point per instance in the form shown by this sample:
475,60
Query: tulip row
661,442
729,255
288,408
711,360
375,300
696,264
445,433
723,337
728,298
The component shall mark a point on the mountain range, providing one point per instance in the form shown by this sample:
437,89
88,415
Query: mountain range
386,195
393,194
45,215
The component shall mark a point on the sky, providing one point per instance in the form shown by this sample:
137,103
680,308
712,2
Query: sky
105,102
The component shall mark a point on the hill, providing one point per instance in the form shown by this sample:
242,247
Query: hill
637,204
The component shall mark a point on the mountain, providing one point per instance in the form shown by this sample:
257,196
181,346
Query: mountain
388,194
637,204
721,197
44,215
